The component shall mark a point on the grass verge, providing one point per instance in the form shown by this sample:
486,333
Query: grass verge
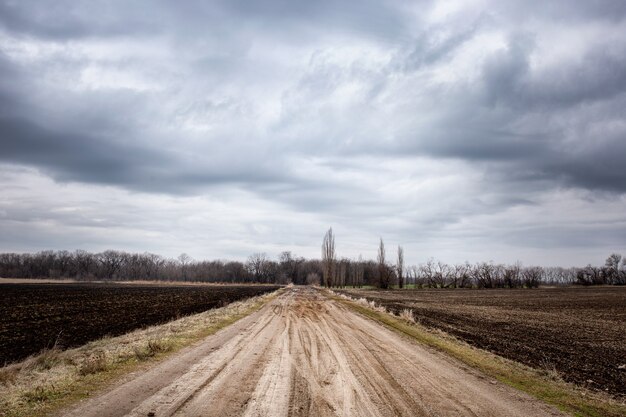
54,379
543,385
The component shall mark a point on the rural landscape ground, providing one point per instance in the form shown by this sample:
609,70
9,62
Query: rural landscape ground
41,316
306,354
262,350
577,333
312,208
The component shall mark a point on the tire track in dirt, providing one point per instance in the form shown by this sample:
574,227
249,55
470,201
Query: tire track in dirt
306,355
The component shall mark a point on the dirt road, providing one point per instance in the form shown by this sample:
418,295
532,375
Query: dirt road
306,355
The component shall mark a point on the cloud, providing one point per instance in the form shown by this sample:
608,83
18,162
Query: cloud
390,119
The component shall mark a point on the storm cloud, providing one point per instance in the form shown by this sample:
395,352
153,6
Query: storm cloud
462,130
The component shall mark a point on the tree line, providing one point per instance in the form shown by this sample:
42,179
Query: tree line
330,270
436,274
118,265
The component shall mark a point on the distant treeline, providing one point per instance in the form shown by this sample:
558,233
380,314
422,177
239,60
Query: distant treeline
259,268
490,275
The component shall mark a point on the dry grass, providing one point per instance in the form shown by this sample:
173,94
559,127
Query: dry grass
361,301
56,378
47,359
153,348
8,375
407,314
96,362
544,384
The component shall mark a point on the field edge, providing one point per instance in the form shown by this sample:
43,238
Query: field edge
566,397
47,395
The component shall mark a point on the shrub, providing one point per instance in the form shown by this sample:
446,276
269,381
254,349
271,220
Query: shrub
153,347
93,364
407,314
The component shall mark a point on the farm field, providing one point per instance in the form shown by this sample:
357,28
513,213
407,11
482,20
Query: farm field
578,332
36,316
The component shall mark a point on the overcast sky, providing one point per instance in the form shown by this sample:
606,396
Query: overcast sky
462,130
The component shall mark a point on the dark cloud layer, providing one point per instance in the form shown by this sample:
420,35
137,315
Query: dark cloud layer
322,107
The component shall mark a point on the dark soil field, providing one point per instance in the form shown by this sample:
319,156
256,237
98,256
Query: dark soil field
578,332
36,316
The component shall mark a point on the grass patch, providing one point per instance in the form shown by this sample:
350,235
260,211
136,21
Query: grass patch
8,375
44,384
153,348
541,384
47,359
40,394
95,363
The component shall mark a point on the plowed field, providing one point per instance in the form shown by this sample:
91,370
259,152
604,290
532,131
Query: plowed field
36,316
580,333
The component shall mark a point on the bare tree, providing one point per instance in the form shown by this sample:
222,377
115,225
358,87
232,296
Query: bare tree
512,275
184,260
85,264
110,263
313,279
461,275
257,265
612,269
328,258
290,265
532,276
621,278
484,273
414,275
442,275
342,272
400,267
359,272
427,272
384,275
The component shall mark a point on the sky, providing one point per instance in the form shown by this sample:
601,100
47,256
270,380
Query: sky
462,129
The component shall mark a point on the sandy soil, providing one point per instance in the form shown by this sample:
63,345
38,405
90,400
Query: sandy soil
306,355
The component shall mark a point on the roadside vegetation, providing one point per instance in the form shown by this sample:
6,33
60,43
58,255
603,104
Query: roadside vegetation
55,378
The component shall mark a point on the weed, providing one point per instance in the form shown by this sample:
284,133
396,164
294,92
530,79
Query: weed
548,369
159,345
93,364
407,314
8,374
152,348
362,301
47,359
40,394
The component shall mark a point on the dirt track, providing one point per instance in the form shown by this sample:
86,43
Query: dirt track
306,355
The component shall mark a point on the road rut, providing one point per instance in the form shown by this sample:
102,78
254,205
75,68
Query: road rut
304,354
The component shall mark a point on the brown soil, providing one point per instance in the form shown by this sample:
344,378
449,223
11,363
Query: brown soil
306,355
38,316
579,333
